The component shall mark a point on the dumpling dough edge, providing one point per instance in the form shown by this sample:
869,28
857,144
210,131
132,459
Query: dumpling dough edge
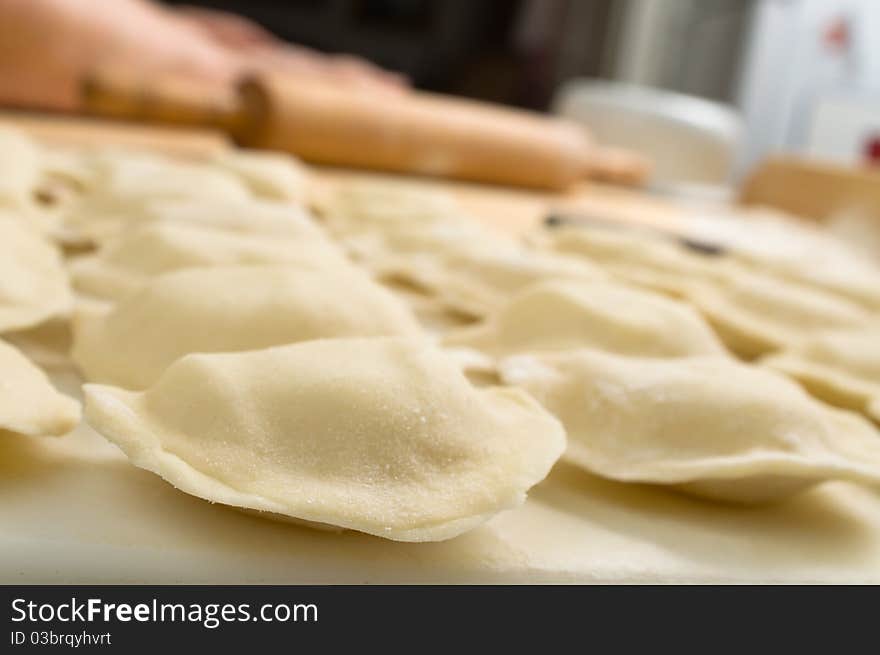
106,406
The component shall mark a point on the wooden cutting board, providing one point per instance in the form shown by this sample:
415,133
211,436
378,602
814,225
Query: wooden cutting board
813,189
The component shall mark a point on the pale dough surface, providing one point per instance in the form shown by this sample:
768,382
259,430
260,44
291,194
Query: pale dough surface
103,520
75,510
383,435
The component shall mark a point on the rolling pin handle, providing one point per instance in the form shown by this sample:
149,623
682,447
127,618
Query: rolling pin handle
171,100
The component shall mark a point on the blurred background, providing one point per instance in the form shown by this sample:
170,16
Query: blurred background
677,95
802,75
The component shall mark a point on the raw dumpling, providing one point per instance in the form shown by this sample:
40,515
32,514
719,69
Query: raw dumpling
40,223
377,222
73,166
754,313
29,404
128,179
33,283
378,250
855,280
841,367
794,250
47,345
433,315
384,436
64,176
565,314
478,281
250,216
272,175
874,409
228,309
126,185
635,255
857,228
709,425
764,237
359,207
127,263
19,168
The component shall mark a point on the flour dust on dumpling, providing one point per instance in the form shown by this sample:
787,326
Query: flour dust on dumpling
33,282
566,314
383,435
228,309
29,404
842,367
710,426
126,263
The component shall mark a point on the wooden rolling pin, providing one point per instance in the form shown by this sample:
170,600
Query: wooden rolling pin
412,132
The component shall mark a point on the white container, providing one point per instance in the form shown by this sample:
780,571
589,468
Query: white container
691,141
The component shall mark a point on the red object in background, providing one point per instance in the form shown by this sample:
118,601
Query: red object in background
837,34
872,150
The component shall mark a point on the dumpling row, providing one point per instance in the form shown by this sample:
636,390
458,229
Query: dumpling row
128,262
753,312
227,309
707,425
841,367
353,419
